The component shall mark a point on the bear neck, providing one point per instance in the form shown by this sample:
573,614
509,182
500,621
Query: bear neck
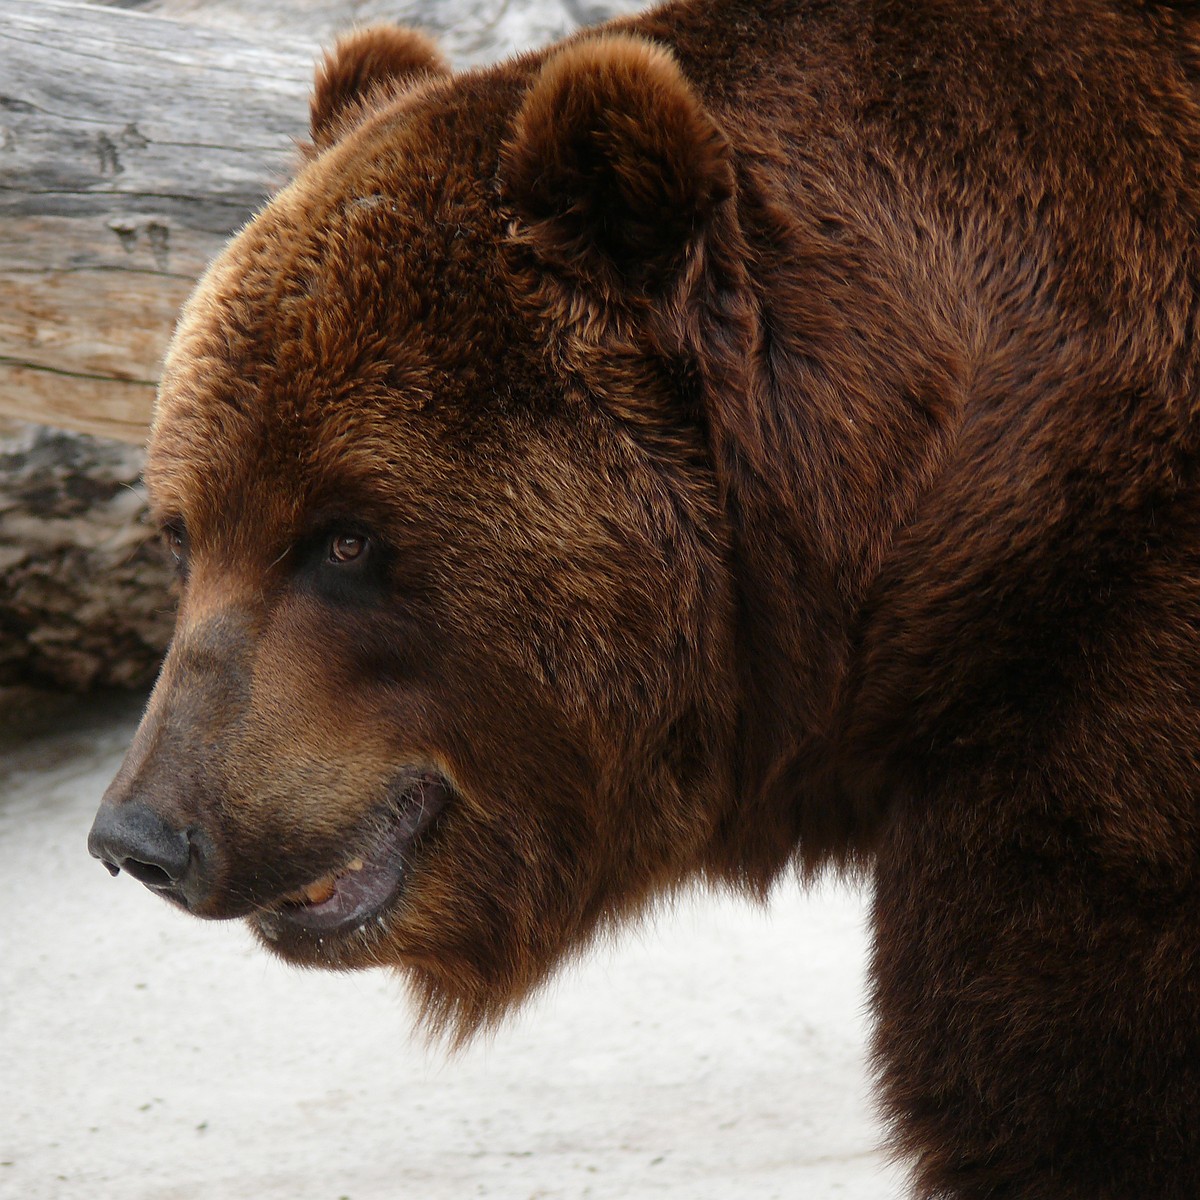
829,414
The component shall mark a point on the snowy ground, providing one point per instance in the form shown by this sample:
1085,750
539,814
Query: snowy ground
716,1054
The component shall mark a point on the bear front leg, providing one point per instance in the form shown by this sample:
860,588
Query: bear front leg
1036,975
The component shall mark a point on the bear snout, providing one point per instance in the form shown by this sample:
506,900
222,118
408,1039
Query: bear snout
134,838
151,821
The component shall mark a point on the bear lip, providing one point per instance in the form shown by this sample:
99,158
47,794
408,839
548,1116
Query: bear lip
358,890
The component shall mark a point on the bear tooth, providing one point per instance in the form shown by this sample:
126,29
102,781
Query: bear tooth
320,891
355,864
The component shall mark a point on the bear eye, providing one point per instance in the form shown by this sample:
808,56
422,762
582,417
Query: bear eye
175,541
346,547
343,566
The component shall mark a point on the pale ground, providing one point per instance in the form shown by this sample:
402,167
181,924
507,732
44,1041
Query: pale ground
715,1054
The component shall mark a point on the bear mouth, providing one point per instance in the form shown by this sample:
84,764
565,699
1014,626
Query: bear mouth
364,885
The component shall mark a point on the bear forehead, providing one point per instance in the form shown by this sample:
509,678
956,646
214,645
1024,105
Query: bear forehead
359,314
389,237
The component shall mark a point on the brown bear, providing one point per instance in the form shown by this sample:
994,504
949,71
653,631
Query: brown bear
744,436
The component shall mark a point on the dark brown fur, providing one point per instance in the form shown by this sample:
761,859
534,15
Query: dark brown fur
780,424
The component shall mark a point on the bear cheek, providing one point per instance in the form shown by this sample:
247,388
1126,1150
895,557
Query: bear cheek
311,755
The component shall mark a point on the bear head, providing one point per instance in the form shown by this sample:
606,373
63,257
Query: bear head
453,679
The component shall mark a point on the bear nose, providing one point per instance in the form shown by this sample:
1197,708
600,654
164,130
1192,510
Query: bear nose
134,838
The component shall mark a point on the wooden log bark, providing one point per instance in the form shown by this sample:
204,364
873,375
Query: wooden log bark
135,139
131,146
84,586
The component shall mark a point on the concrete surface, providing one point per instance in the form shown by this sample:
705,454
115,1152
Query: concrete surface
716,1053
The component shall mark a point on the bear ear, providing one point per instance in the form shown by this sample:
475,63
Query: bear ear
613,163
362,65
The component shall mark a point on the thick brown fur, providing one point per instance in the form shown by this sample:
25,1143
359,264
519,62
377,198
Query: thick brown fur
775,426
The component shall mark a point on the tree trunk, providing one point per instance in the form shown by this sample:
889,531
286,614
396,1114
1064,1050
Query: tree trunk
131,146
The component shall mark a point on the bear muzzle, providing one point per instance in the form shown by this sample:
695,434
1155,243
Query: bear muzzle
155,821
169,860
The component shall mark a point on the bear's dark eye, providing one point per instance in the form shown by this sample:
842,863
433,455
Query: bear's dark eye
345,566
175,539
347,547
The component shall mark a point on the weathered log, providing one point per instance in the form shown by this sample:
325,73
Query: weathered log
84,587
131,146
469,32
